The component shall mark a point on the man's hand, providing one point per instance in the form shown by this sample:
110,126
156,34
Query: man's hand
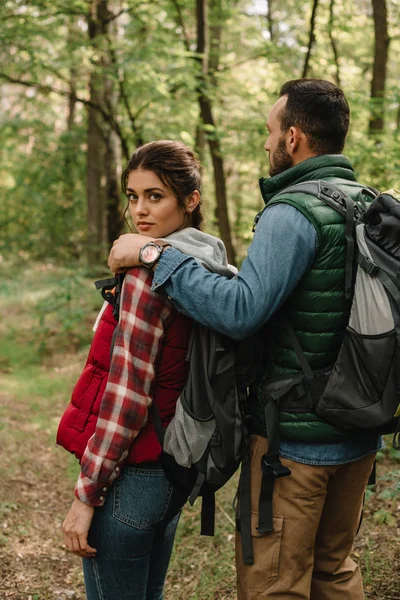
76,527
125,251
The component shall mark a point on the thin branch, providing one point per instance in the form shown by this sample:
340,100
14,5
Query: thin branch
333,42
228,518
55,72
311,38
113,17
123,94
181,23
61,10
48,89
241,62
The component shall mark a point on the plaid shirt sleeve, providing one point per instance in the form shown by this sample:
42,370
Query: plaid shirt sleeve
143,317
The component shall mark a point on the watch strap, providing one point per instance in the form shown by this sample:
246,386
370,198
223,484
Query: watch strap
162,243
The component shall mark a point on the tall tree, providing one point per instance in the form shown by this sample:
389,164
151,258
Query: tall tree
381,51
102,191
207,116
98,19
311,38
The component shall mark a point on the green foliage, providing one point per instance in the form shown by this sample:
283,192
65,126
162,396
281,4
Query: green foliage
149,57
49,311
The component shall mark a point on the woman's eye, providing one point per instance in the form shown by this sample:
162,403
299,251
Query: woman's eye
132,198
155,197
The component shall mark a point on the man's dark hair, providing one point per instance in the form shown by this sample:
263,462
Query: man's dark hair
319,108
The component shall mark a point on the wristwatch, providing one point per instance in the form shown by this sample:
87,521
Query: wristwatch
150,253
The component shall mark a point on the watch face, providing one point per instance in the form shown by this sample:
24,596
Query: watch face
150,254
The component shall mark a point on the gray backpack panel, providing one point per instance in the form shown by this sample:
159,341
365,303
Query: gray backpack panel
363,389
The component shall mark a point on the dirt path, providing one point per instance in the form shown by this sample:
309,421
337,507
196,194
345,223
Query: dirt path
36,493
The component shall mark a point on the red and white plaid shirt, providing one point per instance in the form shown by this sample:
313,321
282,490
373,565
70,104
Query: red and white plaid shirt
144,315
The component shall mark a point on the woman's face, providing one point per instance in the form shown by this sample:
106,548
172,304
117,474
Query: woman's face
154,209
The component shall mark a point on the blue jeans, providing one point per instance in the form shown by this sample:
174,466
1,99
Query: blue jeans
133,533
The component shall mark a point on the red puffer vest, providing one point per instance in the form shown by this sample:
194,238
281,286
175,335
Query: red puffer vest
79,420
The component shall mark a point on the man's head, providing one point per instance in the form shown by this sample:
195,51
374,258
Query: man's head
310,118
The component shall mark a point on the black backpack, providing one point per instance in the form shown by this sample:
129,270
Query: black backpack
361,391
204,444
207,438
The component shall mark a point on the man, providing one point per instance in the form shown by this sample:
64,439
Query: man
296,263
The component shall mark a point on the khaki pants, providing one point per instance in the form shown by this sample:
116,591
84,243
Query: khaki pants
317,511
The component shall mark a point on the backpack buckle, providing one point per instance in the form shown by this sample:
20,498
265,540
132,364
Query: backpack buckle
272,465
256,219
331,193
369,267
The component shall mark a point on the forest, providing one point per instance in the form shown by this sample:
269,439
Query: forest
83,84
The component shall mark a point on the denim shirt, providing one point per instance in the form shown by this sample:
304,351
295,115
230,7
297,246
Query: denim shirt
283,248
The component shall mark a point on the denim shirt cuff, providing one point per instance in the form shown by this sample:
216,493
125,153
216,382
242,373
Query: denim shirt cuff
169,261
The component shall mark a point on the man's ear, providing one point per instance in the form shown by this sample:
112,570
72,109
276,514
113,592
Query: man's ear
295,138
192,201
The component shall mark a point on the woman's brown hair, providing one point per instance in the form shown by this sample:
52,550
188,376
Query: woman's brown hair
175,165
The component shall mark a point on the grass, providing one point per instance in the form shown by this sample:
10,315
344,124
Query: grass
43,344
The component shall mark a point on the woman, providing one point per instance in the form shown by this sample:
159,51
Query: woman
122,494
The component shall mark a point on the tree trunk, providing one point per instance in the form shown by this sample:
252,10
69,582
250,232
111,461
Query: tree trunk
98,134
200,143
270,21
95,177
206,113
376,123
311,38
113,205
69,151
112,154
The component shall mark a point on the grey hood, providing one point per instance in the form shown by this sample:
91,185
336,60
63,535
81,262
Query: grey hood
208,250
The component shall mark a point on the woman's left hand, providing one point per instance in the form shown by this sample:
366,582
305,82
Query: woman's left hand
76,528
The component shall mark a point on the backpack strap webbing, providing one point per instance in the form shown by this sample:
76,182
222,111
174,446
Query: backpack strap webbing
271,466
207,513
111,291
207,526
243,520
107,284
372,475
158,426
197,488
396,437
349,235
375,271
344,205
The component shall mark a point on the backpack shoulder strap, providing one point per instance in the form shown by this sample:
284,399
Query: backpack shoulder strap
344,205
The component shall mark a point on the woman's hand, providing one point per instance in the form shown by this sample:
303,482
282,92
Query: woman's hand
76,528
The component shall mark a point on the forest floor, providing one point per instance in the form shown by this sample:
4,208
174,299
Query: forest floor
37,373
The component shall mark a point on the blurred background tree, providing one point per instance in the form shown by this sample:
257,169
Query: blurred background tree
84,82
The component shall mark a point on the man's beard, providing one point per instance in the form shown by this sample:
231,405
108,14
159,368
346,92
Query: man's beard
282,159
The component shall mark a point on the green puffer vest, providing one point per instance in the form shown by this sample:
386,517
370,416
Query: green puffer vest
316,309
